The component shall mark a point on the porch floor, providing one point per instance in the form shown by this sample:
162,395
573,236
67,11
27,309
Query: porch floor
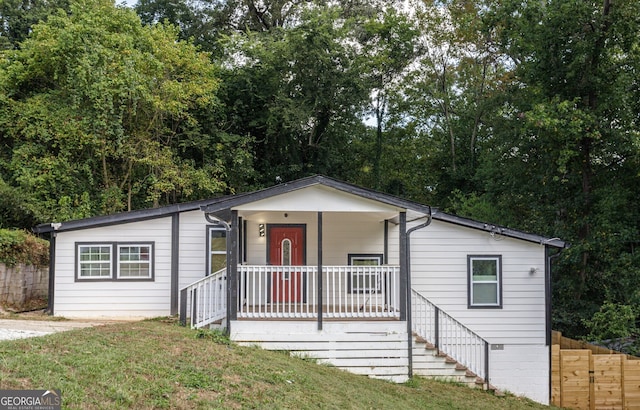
297,311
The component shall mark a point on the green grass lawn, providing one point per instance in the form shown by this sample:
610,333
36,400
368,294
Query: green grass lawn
159,364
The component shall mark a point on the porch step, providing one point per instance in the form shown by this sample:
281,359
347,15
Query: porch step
430,363
217,325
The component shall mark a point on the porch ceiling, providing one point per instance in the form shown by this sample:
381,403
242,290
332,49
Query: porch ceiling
265,215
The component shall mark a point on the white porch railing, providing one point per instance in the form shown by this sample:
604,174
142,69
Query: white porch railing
361,291
292,291
449,336
206,300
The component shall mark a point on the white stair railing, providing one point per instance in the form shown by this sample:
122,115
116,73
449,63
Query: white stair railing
449,336
205,301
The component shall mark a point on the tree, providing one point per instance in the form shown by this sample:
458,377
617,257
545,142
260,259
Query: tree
18,16
298,91
454,96
390,44
561,154
101,113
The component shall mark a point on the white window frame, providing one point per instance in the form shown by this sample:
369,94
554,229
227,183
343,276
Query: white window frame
210,253
148,262
374,278
497,282
80,262
114,261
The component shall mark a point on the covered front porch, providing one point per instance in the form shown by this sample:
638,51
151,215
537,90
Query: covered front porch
297,293
314,252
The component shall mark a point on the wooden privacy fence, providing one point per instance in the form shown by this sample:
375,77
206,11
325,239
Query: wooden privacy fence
581,380
572,344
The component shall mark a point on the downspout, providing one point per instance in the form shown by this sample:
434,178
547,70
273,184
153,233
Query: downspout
408,256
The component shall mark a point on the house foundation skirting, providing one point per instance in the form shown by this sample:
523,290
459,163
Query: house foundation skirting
375,349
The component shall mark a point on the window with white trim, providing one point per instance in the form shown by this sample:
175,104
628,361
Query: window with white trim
94,261
217,239
363,278
134,261
114,261
485,281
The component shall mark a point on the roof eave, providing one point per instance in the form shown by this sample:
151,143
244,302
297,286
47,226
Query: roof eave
310,181
120,218
499,230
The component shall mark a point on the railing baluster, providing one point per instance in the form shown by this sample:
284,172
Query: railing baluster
262,295
450,336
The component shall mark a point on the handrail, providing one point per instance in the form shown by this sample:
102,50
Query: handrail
266,291
206,299
449,336
273,291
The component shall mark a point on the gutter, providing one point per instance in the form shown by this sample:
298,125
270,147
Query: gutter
409,327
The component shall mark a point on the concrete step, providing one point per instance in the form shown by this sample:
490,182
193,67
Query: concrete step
429,362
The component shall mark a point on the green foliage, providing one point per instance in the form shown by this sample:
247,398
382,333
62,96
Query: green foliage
612,321
215,335
18,16
15,210
533,122
504,111
21,247
114,124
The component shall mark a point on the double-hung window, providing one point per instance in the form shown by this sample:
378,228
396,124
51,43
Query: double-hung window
485,281
364,277
94,261
217,248
134,261
114,261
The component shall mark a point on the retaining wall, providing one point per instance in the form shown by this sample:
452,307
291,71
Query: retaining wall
21,285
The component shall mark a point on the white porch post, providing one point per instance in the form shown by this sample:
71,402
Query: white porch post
320,291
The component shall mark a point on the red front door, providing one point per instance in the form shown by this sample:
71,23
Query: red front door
286,248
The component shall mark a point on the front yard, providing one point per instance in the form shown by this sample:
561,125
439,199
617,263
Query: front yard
159,364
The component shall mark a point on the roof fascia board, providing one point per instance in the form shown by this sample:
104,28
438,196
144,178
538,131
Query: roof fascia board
121,218
500,230
309,181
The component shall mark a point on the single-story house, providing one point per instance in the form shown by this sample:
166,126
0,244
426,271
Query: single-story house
357,278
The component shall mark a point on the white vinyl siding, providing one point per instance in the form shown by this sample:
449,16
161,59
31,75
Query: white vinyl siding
193,247
439,272
343,234
130,298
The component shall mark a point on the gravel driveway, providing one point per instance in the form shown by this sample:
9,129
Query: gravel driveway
18,329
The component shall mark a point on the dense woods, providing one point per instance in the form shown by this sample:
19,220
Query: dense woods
520,113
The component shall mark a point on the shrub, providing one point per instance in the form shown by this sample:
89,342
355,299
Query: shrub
22,247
